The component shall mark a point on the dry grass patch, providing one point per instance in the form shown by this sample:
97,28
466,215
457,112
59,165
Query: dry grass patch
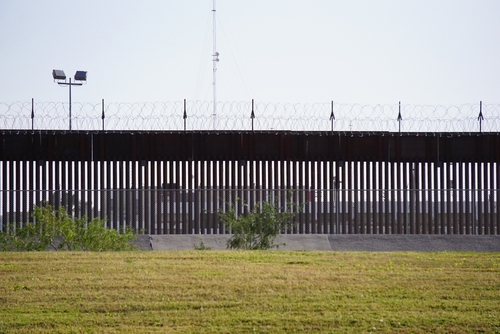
249,291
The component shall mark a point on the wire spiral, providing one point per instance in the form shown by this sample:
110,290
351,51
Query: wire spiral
235,116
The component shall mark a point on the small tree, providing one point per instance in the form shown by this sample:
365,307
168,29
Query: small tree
259,227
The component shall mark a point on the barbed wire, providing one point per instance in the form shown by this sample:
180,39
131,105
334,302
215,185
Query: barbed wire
236,116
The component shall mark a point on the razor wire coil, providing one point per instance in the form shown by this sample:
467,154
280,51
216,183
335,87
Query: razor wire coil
236,116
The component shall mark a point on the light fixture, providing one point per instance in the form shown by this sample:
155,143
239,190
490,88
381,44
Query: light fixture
60,75
81,75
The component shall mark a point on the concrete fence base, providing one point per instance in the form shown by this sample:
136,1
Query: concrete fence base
328,242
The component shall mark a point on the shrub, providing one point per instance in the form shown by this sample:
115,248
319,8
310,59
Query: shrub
259,227
58,230
201,246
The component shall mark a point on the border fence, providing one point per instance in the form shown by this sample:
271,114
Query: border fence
318,211
176,182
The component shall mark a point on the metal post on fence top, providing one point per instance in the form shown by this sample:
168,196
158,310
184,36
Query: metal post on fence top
252,115
32,113
399,117
480,118
185,116
332,116
103,116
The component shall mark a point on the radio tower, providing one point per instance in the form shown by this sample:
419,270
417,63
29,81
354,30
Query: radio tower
215,59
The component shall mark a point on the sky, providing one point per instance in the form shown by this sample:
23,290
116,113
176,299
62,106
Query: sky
349,51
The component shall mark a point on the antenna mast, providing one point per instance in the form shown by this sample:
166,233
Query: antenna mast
215,59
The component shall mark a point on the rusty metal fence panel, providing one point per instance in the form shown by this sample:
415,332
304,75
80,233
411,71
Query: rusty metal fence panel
158,181
184,196
322,211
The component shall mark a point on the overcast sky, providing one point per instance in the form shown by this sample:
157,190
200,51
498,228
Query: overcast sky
369,52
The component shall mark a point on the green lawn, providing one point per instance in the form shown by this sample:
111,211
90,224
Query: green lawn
249,291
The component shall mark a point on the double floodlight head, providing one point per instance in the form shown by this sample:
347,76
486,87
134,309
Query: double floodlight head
60,75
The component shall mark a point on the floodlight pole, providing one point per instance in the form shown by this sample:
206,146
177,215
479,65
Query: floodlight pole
60,75
70,84
69,104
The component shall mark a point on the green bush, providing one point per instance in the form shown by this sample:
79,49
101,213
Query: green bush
201,246
259,227
58,230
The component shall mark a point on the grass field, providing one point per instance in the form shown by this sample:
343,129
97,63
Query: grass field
249,292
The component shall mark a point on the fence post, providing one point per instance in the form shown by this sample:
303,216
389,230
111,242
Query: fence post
332,116
32,113
480,118
252,115
103,116
474,231
184,117
399,117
